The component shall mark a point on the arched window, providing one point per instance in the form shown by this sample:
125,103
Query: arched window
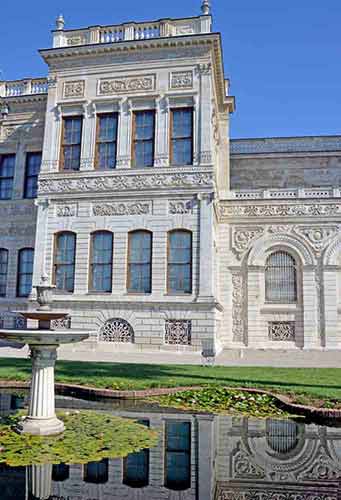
101,261
280,278
3,271
25,272
179,262
64,261
178,455
116,330
282,436
97,472
140,262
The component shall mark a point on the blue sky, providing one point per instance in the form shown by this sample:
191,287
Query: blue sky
283,57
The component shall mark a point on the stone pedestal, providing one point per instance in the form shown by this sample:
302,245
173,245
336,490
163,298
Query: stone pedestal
41,419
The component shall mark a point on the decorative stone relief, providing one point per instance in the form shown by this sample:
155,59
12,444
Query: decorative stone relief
52,82
205,157
215,126
161,161
69,210
74,89
76,40
180,207
137,182
204,68
247,493
126,84
293,210
123,208
238,318
9,130
86,163
282,331
323,469
117,330
181,80
61,324
243,466
178,332
242,237
318,236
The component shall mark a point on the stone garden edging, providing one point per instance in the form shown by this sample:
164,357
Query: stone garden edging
84,391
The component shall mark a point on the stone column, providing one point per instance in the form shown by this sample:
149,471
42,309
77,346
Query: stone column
39,478
312,309
41,417
162,133
205,114
206,266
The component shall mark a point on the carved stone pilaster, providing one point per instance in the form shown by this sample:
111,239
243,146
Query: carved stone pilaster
238,306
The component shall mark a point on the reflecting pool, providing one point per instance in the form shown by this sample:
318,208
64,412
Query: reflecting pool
198,457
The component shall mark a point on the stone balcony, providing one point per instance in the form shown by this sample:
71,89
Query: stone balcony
28,86
271,194
130,31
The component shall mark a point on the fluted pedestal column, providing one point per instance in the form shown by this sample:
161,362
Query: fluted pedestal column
39,481
41,419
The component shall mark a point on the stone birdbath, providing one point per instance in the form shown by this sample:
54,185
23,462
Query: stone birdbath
43,343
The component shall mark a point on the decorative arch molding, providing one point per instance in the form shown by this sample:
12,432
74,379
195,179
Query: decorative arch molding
332,254
260,249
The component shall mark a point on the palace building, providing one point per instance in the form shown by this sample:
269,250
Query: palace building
119,185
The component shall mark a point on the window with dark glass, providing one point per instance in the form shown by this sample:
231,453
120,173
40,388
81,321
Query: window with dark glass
7,163
182,136
3,271
33,162
96,472
180,261
64,264
60,472
101,261
140,262
71,143
136,466
106,141
280,278
178,455
25,272
144,138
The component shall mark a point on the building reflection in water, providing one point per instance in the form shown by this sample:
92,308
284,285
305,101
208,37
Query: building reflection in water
199,457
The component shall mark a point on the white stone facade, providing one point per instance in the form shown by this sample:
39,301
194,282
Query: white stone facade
239,203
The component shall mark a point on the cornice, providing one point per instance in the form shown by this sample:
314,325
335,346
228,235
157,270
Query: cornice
21,99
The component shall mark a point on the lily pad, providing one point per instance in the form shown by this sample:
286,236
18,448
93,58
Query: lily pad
88,437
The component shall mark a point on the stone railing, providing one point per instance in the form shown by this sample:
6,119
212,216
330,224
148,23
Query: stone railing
29,86
267,194
132,31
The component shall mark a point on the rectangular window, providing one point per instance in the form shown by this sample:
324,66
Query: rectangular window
33,162
25,272
7,163
182,136
64,264
101,261
180,262
71,143
143,138
140,262
106,141
3,271
178,455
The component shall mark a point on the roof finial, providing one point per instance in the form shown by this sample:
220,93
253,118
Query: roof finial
206,7
60,22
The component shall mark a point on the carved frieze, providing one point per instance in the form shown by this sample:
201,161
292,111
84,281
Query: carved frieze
100,184
69,210
280,210
180,207
126,84
122,208
74,89
256,493
181,80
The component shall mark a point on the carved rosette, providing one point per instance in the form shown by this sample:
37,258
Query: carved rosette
123,208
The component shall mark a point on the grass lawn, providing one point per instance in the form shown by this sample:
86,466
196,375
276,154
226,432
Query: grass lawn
315,383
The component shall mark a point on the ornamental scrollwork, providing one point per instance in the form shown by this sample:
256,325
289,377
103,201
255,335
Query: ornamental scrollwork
318,236
178,332
323,469
181,80
115,209
238,325
270,494
126,84
74,89
117,330
243,466
280,210
242,237
137,182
